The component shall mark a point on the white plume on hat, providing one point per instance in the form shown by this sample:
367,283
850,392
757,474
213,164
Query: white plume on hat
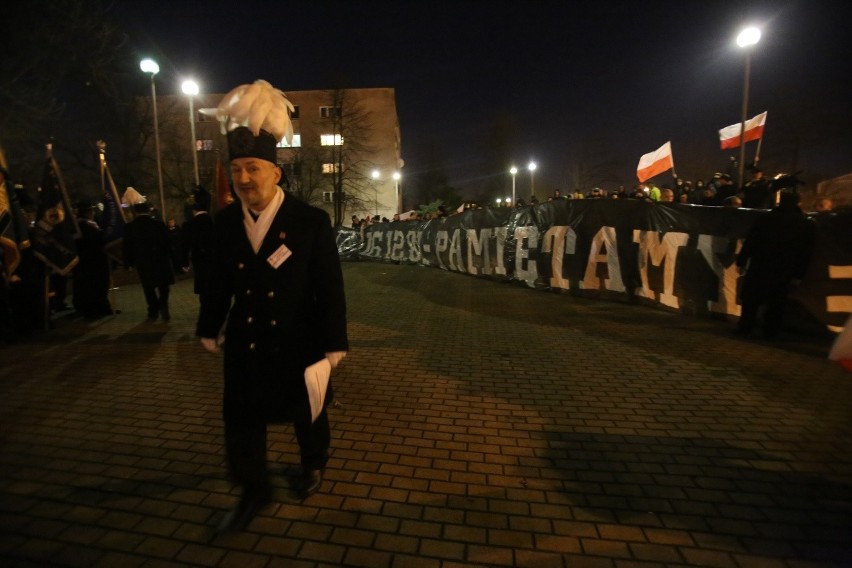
256,106
132,197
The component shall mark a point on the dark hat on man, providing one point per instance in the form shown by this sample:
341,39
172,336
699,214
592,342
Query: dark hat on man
243,144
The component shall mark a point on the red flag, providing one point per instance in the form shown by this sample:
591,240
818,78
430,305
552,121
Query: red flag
730,135
224,196
655,162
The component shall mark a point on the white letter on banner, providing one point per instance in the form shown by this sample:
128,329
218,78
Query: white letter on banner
441,239
528,274
604,237
715,251
500,236
396,247
650,247
477,248
455,256
376,244
413,239
838,303
559,240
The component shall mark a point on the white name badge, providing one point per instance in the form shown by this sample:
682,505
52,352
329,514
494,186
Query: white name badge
278,257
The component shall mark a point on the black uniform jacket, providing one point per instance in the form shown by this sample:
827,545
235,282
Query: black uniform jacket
146,246
279,320
199,249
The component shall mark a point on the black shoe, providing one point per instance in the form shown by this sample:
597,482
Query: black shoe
240,516
307,483
152,316
166,317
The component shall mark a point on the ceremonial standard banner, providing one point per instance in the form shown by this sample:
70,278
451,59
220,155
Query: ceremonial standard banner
672,255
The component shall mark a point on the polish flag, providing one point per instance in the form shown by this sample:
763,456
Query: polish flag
656,162
730,135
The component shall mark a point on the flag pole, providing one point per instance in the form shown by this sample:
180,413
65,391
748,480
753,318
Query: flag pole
757,152
671,154
104,189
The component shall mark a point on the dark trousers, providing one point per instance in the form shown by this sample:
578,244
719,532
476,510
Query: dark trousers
758,292
245,449
157,298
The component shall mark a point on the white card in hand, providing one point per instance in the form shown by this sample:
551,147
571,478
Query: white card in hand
316,381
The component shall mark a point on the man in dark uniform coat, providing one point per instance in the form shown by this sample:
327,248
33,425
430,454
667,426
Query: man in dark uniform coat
276,260
776,252
198,244
91,275
146,246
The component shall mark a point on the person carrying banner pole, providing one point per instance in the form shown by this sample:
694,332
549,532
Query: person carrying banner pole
56,229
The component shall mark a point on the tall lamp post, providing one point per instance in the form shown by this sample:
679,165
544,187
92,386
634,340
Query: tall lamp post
746,38
150,66
190,88
396,176
513,171
376,189
531,167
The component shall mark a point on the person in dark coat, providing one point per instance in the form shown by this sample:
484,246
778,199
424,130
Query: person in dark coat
757,193
146,247
775,254
91,274
198,244
276,260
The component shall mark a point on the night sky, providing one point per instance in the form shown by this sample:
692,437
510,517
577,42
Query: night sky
573,77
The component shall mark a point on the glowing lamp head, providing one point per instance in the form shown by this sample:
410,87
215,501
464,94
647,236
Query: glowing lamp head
189,87
149,66
749,36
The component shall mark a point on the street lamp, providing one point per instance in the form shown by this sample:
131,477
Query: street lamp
508,202
531,167
396,176
746,38
150,66
376,189
190,88
513,171
499,201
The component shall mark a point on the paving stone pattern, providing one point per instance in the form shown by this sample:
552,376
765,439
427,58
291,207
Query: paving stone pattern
476,424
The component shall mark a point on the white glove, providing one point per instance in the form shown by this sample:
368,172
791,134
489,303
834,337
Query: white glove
335,357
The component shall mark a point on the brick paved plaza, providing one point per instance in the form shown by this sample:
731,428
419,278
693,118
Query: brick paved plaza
477,424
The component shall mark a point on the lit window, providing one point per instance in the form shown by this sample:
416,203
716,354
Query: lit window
297,142
331,196
329,112
330,168
331,140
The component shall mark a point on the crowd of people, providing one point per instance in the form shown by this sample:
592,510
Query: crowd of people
759,192
155,250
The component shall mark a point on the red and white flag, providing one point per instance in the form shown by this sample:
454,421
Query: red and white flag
656,162
730,135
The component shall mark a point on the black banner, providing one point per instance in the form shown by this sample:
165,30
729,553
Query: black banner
676,256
